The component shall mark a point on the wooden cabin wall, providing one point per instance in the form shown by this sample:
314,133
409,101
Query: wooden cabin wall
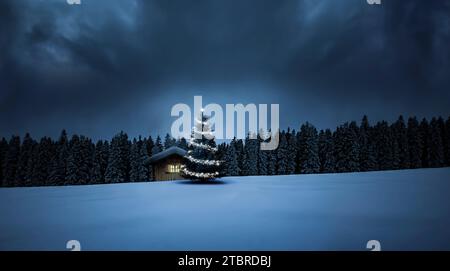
161,170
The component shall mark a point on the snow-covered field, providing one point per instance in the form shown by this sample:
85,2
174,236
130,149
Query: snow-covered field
407,209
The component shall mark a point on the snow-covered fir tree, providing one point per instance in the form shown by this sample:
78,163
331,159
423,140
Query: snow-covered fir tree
201,159
80,160
292,152
58,165
394,147
414,143
3,151
73,160
436,145
239,147
118,161
149,145
26,151
384,146
424,133
231,167
346,143
138,156
447,137
182,143
443,132
100,162
401,137
41,164
147,168
282,155
355,150
157,146
326,151
32,163
169,141
11,161
272,155
134,161
250,163
367,155
309,149
263,155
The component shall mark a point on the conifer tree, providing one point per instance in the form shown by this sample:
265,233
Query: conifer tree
3,151
326,151
201,163
239,147
100,162
150,144
73,161
41,166
24,161
32,164
138,156
88,150
231,167
263,162
117,170
11,161
145,172
367,155
134,161
401,137
157,146
395,164
282,155
182,143
384,142
292,152
444,137
346,143
436,153
447,135
250,163
272,155
355,150
424,132
169,141
414,143
339,149
298,156
309,149
58,166
221,152
263,155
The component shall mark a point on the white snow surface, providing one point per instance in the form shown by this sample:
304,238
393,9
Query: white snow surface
403,210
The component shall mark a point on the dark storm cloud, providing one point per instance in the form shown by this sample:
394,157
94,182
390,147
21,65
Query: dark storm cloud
111,65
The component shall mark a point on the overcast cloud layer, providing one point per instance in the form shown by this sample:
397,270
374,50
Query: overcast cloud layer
111,65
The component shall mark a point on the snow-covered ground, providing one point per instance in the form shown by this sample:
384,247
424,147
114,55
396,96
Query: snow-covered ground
407,209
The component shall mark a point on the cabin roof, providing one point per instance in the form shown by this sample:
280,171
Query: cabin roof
166,153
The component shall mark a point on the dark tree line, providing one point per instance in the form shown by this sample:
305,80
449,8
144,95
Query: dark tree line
78,160
351,147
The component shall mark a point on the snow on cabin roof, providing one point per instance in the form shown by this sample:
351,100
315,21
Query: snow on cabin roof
166,153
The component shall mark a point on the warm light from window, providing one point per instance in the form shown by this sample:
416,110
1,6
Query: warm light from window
174,168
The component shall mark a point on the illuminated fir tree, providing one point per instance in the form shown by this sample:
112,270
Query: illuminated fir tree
201,162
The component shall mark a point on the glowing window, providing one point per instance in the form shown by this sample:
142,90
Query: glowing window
174,168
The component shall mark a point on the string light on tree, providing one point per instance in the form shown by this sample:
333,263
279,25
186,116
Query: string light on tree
201,163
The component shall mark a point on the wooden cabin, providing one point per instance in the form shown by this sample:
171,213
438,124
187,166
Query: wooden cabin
166,165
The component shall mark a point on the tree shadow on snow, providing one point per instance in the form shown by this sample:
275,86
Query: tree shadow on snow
215,182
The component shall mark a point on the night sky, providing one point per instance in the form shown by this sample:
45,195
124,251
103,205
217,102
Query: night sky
112,65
